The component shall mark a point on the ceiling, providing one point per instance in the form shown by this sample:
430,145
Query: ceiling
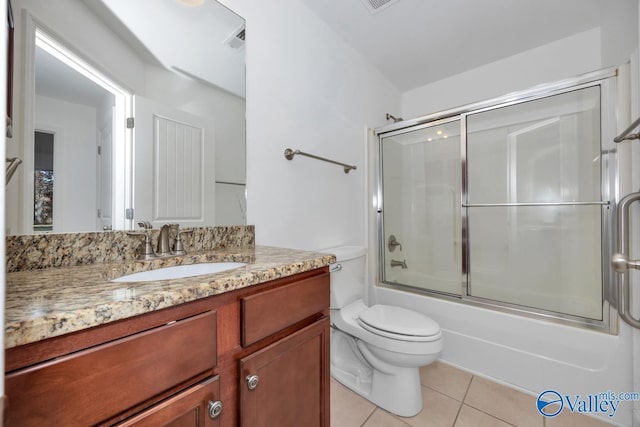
191,41
57,80
416,42
201,51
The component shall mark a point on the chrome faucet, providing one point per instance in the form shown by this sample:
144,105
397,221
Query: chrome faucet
163,241
402,264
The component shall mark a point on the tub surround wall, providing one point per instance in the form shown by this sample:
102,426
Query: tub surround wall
33,252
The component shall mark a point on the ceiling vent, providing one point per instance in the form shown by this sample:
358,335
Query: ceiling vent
375,6
237,39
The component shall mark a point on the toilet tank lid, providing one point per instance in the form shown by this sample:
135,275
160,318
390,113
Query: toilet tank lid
345,253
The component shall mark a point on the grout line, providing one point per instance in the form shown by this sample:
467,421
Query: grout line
462,402
482,410
441,393
455,420
369,416
467,390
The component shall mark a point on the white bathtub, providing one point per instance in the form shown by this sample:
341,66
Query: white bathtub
530,354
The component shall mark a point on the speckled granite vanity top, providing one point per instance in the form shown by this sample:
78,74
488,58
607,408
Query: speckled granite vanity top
54,301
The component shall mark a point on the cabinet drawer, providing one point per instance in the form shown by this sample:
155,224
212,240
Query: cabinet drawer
268,312
90,386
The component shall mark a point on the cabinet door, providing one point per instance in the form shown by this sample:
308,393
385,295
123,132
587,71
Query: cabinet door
292,381
187,409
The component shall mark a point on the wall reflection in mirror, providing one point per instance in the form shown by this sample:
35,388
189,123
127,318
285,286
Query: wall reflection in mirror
127,112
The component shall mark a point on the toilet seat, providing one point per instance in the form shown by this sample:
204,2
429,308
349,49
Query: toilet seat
347,320
399,323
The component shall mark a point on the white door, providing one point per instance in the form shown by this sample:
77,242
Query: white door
105,187
173,167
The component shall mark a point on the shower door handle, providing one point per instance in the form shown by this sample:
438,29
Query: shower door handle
621,262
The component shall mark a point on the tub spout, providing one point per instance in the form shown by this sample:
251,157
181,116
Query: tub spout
402,264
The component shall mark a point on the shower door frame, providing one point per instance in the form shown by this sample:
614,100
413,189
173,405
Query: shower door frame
609,186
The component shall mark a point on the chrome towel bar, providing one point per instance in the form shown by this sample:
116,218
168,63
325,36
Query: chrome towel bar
289,153
625,133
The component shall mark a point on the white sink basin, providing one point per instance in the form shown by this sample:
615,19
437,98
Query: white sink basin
179,271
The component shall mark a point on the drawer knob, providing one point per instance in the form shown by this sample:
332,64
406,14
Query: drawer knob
252,381
215,408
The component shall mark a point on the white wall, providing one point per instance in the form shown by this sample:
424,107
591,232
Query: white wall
568,57
308,90
619,32
74,155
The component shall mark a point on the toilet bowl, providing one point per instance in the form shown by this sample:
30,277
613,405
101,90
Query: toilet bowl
377,351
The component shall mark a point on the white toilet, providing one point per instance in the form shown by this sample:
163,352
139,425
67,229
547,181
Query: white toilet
377,351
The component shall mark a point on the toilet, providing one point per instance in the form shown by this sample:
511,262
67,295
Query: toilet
377,351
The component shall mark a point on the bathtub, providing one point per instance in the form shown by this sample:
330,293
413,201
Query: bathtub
530,354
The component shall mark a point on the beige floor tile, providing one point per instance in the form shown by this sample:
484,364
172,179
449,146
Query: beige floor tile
348,409
381,418
568,419
446,379
438,410
503,402
469,417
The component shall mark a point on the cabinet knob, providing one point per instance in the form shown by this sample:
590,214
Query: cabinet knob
252,381
215,408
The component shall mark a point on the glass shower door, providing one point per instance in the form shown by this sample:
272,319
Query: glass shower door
534,205
422,214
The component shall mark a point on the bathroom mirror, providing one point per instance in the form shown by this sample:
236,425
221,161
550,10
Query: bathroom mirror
178,68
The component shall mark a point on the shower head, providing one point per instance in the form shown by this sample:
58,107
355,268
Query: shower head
395,119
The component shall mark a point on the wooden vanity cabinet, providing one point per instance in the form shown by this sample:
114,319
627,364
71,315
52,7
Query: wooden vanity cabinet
168,367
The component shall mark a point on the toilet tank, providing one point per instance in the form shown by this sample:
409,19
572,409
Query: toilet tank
347,275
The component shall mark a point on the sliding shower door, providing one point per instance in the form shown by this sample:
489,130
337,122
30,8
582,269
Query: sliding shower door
508,204
422,221
534,204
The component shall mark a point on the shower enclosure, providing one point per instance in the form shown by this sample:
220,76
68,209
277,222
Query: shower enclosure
506,203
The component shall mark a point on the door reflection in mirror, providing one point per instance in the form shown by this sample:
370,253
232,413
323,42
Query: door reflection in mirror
80,106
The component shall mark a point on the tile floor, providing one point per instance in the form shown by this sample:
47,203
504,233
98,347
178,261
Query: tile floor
453,398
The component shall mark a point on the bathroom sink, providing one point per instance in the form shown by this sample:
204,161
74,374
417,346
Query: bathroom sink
179,271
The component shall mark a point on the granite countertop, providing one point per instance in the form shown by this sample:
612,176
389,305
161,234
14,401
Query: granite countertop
54,301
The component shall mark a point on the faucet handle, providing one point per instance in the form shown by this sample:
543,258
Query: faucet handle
146,225
393,242
179,247
147,252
